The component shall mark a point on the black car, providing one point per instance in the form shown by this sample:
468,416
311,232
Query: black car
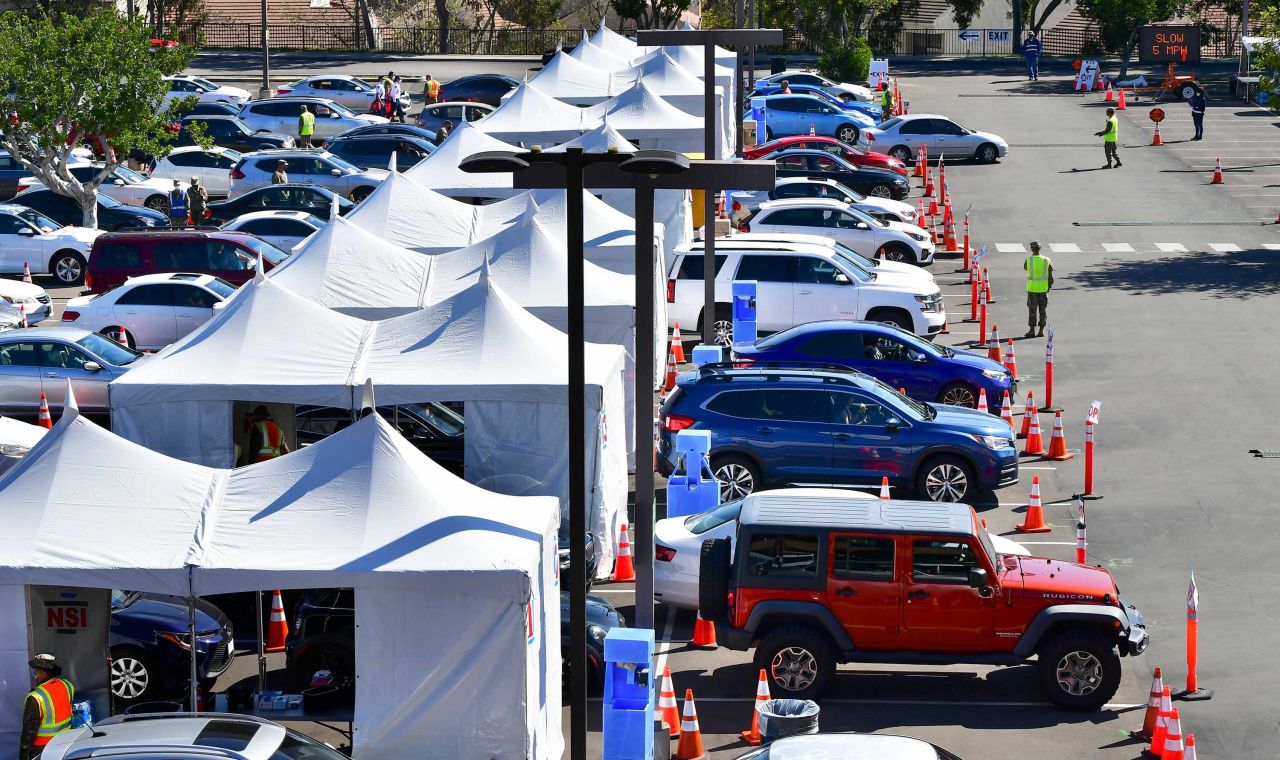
112,214
590,552
480,88
868,180
12,170
211,109
151,645
231,132
374,151
322,635
390,128
290,197
434,429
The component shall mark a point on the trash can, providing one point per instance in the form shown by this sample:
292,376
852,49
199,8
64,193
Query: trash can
777,64
787,717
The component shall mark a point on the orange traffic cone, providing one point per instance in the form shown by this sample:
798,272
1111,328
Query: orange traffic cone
1153,708
982,400
1058,443
884,484
993,344
1173,746
920,213
667,708
1006,410
677,345
949,241
26,273
1217,172
122,337
278,627
1155,138
670,382
690,746
1111,95
933,199
1162,723
1190,752
1121,106
624,570
1026,416
1035,442
704,633
986,281
1011,360
752,736
1035,512
44,420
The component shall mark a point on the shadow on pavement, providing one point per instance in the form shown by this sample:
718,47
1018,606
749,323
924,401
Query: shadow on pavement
1246,274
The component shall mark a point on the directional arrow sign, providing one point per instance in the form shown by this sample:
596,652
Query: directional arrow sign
968,35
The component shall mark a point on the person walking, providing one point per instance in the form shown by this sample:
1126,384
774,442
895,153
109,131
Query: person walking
431,90
1110,134
46,712
1032,49
306,127
397,110
379,99
177,205
266,440
886,101
1197,104
1039,280
280,176
198,198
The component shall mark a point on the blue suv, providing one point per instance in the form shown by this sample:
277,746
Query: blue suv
926,371
869,109
775,425
151,645
786,115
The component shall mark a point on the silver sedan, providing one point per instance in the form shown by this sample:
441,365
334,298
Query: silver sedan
44,358
902,136
352,92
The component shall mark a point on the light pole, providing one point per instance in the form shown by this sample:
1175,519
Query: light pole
709,39
265,90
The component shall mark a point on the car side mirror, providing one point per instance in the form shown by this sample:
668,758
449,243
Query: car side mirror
118,182
919,358
862,226
334,115
92,367
893,424
336,172
842,278
977,577
26,231
201,90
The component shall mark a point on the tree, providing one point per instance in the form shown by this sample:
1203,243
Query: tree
1120,20
650,14
1266,56
532,14
94,80
1036,12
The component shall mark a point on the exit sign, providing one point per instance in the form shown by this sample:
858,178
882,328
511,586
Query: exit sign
1165,44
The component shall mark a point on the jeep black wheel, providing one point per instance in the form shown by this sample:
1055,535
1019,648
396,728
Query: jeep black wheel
945,478
799,661
1079,670
738,476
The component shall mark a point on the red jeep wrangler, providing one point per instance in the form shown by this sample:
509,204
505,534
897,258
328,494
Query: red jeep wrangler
814,579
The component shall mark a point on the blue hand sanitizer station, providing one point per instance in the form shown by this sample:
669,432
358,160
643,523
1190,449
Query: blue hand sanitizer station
692,488
744,311
629,694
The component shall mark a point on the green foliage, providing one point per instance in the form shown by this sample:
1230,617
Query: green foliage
846,62
1266,57
650,14
964,11
93,79
532,14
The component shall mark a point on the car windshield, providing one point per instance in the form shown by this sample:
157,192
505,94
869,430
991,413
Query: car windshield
129,175
106,201
295,746
855,269
205,83
221,287
342,163
701,523
108,350
890,124
916,409
42,222
441,417
268,251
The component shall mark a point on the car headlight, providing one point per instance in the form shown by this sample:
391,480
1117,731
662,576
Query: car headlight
918,237
146,220
900,182
994,441
995,374
596,633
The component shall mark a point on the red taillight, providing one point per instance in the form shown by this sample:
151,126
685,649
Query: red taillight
88,281
870,137
22,187
743,363
744,227
730,599
283,91
70,316
737,205
673,423
671,291
663,553
237,174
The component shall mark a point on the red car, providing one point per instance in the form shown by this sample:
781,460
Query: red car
233,256
855,156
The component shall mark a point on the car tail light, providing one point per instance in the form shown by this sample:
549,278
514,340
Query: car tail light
671,291
870,137
22,187
730,599
283,91
743,363
237,174
88,281
70,316
737,205
673,423
744,227
663,553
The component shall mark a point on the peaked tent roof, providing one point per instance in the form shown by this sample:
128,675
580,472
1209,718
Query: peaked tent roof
599,58
599,140
441,171
691,58
640,112
661,74
602,223
531,115
566,77
615,43
17,433
409,214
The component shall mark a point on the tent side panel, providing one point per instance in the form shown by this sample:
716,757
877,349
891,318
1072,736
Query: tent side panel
15,678
194,431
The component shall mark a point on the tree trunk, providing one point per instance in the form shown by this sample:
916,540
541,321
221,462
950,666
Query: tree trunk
442,16
1128,52
89,210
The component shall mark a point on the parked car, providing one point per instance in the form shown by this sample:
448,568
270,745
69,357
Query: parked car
112,214
434,117
806,114
185,86
31,239
122,184
901,137
435,429
391,128
909,582
897,241
150,311
283,229
184,736
853,154
872,110
798,284
12,172
863,746
820,164
281,115
44,358
896,357
884,209
479,88
839,89
308,167
351,92
210,109
322,635
292,196
150,644
231,132
212,165
784,425
32,299
374,152
231,256
755,241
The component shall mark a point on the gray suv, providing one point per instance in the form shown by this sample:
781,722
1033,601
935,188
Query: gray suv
307,167
186,736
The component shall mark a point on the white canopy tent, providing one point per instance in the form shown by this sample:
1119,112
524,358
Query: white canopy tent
15,438
599,58
615,43
409,214
457,609
270,345
644,118
441,172
531,116
679,87
569,80
690,58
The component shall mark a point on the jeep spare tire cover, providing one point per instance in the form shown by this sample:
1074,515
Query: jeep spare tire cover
713,579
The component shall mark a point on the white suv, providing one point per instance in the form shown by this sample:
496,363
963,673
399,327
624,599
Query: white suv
791,242
308,167
802,284
896,241
885,209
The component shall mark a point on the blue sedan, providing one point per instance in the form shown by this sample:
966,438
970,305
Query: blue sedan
870,109
928,372
786,115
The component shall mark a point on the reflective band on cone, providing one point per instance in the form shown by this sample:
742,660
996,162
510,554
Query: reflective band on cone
1153,708
993,344
1006,410
278,627
1173,746
1058,443
677,345
624,569
26,273
1162,722
1034,445
44,420
1011,360
982,401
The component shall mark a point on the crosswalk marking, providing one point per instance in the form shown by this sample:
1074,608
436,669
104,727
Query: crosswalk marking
1117,248
1064,247
1139,247
1225,247
1010,248
1171,247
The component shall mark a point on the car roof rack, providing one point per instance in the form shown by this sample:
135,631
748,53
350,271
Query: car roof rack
713,367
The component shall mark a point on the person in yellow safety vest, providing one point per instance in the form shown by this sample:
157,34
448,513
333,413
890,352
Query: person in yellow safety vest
1110,135
431,90
266,440
1039,281
46,712
886,101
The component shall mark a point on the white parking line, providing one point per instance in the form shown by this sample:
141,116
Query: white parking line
1064,248
1117,248
665,642
1010,248
1225,247
1024,467
1171,247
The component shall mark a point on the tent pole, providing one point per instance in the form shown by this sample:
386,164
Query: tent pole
191,631
709,194
645,336
262,652
577,458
